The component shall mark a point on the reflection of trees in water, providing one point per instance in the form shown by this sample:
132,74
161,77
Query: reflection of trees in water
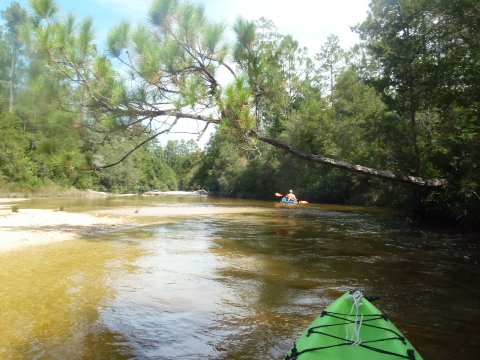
271,266
287,268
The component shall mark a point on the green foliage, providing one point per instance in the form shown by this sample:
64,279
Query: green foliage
246,35
15,18
14,163
161,10
405,100
183,157
363,133
212,36
118,39
332,60
50,140
44,9
223,165
428,53
237,105
85,37
5,62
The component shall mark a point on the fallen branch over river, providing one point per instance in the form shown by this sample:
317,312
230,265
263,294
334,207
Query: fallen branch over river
359,169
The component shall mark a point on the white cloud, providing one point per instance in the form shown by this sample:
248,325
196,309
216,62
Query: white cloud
309,22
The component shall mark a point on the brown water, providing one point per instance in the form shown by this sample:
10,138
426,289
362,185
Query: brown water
235,285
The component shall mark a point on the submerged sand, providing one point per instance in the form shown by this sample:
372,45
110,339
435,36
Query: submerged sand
29,227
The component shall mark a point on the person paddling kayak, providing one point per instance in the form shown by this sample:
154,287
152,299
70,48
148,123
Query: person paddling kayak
291,196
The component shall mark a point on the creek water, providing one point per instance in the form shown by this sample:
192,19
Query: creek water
239,284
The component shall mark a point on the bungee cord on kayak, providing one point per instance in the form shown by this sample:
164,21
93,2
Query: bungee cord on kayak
356,297
347,342
370,332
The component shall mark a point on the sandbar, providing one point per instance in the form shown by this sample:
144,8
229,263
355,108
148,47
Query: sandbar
21,228
29,227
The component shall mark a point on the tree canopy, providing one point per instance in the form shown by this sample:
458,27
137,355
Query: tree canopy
401,106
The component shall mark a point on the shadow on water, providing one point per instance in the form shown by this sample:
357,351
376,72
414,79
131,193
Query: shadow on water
295,264
240,285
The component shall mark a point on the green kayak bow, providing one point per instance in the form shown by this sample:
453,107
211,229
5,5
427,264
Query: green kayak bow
352,328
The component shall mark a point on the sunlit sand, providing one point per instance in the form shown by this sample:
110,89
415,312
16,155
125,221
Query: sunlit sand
29,227
35,227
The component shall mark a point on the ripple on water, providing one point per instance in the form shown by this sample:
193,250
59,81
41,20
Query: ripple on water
233,285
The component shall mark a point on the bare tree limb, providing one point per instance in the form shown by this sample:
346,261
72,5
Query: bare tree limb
178,116
382,174
138,146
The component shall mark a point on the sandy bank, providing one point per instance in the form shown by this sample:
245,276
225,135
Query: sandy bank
31,227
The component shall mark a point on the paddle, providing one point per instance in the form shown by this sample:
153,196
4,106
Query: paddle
300,202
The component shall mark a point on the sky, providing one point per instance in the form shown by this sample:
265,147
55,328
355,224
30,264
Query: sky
310,22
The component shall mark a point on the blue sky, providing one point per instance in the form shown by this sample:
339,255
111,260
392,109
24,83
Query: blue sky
308,21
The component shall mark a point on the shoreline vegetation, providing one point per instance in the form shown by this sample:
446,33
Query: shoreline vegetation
24,227
59,191
390,122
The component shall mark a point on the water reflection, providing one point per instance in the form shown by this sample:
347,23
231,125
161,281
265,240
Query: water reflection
416,272
51,298
236,285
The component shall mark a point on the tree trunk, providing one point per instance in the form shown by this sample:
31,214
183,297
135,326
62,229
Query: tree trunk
12,81
331,84
359,169
413,129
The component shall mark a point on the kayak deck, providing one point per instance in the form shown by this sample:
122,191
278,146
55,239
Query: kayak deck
352,328
285,201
